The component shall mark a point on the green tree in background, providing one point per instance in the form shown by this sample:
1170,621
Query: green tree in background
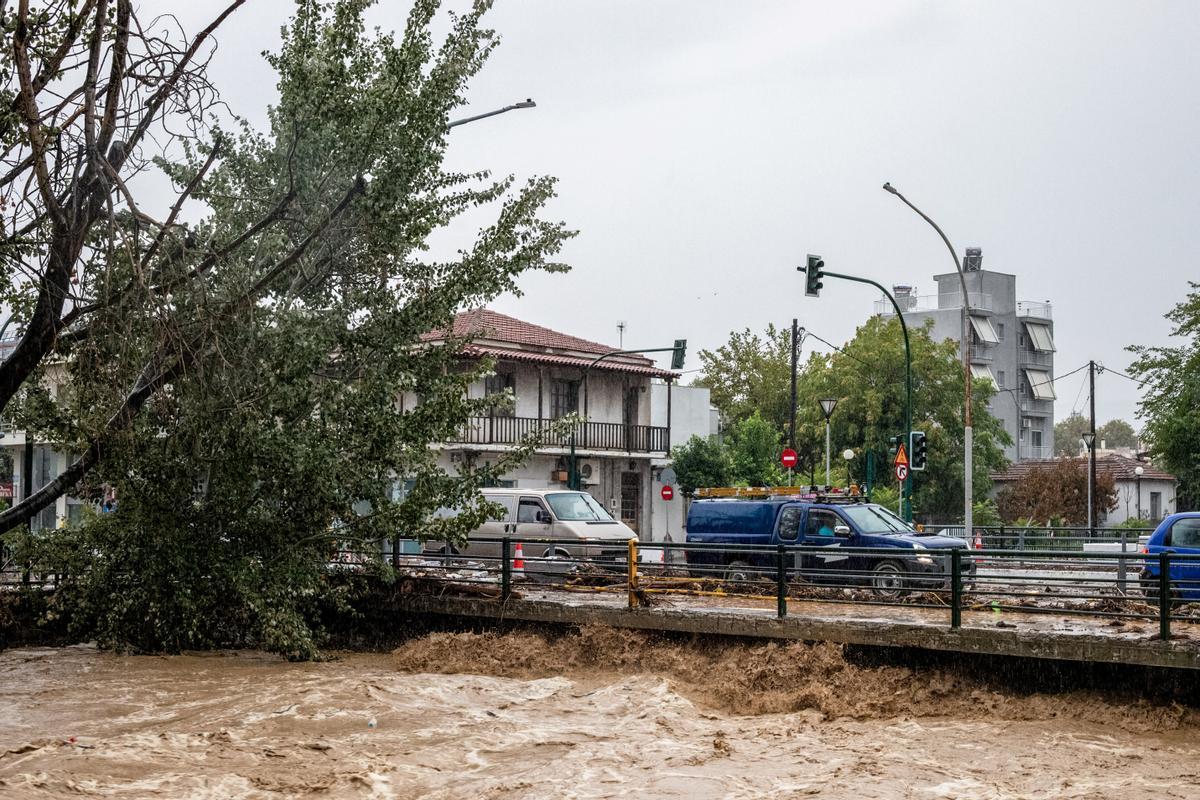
1114,433
745,376
1068,432
1170,404
1117,433
701,462
754,447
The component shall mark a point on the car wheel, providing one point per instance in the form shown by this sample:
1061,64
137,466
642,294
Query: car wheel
738,572
887,579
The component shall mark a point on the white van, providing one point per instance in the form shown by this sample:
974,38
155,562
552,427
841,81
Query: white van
534,514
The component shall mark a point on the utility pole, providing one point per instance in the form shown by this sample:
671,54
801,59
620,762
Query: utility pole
1092,449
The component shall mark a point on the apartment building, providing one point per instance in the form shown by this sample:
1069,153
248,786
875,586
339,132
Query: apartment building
1011,343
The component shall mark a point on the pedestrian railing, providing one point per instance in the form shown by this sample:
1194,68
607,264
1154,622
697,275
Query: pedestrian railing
1114,586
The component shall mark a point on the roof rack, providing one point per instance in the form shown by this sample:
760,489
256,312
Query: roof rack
821,494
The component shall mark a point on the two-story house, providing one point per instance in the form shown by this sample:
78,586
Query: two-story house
551,375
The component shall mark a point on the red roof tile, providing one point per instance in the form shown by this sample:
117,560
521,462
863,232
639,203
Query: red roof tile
1120,467
501,336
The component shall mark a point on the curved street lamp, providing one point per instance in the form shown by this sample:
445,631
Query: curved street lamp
526,103
968,434
827,406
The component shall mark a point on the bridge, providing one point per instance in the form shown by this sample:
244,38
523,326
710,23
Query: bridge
1063,605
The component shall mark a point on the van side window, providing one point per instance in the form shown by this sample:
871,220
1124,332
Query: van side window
528,510
821,524
789,523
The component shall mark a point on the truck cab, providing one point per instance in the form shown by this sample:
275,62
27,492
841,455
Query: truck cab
823,536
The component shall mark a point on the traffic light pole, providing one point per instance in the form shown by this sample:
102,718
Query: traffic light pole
907,377
676,363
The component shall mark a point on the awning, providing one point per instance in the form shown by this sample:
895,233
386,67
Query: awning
984,330
1039,337
983,371
1041,384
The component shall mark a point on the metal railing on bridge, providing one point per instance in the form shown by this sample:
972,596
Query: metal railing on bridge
1113,586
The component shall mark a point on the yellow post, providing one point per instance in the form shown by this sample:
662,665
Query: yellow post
633,557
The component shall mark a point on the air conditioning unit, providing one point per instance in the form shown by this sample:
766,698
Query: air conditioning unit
589,473
1026,423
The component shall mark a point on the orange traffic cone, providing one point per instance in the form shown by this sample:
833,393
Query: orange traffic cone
518,564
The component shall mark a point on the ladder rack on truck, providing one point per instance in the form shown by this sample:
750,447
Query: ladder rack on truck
815,494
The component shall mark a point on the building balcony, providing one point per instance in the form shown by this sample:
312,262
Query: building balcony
1025,308
614,436
1039,451
933,302
1035,358
981,353
1031,406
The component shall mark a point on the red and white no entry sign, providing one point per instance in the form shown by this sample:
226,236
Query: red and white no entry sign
668,493
788,458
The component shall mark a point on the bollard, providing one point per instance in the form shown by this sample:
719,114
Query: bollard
781,582
505,568
633,557
1164,596
956,588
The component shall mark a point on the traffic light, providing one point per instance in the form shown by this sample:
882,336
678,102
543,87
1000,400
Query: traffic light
814,275
678,355
893,445
918,450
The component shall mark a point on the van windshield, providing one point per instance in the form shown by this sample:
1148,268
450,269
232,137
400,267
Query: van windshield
876,519
578,507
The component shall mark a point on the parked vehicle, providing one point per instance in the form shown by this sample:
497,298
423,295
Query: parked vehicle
531,515
916,560
1178,533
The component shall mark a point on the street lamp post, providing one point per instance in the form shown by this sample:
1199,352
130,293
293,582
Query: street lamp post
1089,441
827,406
526,103
968,434
1138,472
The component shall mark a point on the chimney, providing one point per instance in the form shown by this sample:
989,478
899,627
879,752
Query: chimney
905,298
973,262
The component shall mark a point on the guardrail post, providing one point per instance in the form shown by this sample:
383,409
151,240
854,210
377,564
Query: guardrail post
505,568
1122,578
1164,596
633,557
1002,542
956,588
781,582
1021,539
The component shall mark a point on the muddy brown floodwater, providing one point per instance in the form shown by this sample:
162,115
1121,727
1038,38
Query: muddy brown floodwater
597,713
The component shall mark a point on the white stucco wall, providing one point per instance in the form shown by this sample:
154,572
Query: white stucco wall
1127,500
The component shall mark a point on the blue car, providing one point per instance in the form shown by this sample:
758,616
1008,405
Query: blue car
1178,533
915,561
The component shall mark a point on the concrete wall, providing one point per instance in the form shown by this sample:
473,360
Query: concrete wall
1127,501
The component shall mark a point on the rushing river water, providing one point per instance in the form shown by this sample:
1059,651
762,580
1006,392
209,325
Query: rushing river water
596,714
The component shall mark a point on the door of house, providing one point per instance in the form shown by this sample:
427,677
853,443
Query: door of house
631,499
630,417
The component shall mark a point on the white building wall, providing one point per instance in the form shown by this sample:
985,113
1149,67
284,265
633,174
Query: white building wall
1127,500
692,414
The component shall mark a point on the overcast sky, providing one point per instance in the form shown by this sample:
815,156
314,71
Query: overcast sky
703,148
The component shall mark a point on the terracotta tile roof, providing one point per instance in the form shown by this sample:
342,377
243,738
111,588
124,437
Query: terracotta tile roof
567,361
502,336
1120,467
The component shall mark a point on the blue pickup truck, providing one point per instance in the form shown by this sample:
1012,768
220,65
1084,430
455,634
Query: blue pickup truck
819,530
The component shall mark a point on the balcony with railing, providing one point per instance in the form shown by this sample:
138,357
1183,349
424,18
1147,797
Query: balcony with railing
613,436
1026,308
981,353
1035,358
1032,406
1035,451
